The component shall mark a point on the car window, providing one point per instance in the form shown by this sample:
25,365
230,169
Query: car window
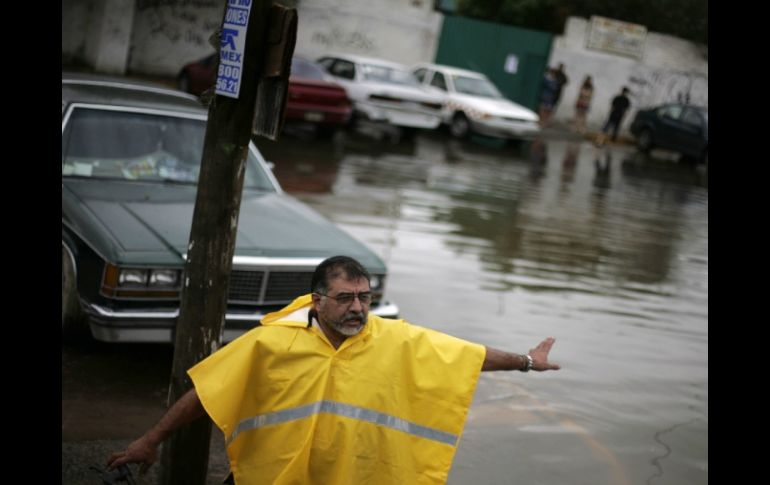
127,145
420,74
475,87
306,69
672,111
343,69
438,81
387,74
326,62
209,61
691,117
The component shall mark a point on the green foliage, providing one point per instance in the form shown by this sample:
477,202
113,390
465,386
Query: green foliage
687,19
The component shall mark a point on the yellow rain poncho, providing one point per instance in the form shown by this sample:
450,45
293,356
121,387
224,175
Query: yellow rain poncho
387,407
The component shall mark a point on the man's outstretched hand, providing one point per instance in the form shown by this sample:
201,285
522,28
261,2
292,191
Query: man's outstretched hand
539,356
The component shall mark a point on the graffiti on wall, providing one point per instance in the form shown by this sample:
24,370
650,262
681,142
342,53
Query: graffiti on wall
178,23
337,38
655,87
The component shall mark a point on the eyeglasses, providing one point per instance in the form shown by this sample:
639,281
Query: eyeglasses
347,298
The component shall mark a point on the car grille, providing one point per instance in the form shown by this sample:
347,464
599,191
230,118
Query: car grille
248,286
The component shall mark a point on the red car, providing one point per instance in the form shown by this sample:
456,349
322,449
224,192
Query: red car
312,97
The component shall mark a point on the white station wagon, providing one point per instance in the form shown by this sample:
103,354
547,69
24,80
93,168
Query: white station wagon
473,104
384,91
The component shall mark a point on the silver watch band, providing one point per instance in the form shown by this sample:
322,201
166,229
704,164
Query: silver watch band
530,363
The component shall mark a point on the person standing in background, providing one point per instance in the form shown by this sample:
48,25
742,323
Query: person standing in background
561,80
583,104
548,93
620,105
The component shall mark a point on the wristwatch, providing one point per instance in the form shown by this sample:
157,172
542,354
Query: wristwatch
528,366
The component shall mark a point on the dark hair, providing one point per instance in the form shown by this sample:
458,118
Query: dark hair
333,267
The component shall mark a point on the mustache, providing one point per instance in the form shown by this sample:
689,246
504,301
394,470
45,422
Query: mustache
354,316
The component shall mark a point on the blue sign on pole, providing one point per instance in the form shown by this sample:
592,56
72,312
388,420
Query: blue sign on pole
232,45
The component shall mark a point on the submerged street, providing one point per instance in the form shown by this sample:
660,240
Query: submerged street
600,247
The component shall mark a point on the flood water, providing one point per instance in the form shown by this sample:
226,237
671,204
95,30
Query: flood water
603,249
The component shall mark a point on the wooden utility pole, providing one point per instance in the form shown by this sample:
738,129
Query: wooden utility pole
232,119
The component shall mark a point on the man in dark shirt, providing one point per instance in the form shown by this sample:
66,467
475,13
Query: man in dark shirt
561,79
620,105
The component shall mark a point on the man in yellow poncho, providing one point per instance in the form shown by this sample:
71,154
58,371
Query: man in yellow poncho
323,392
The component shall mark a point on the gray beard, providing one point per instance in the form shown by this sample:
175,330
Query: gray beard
347,331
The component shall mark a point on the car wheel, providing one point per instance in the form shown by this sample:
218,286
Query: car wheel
408,133
460,126
354,121
183,82
644,141
326,131
73,318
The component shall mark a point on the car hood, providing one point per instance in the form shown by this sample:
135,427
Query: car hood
138,223
496,106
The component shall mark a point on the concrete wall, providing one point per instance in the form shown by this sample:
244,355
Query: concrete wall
97,34
167,34
75,19
670,70
157,37
404,31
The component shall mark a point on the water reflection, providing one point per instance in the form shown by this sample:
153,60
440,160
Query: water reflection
602,171
499,205
568,165
601,247
304,164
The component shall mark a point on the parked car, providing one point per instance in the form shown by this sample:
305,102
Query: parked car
384,91
313,96
472,104
131,155
677,127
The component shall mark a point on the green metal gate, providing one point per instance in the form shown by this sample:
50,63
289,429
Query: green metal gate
513,58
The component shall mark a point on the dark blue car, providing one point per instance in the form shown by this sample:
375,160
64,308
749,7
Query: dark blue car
677,127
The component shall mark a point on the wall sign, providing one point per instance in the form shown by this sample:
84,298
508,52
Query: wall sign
617,37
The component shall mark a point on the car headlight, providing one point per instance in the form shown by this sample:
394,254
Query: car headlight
375,283
140,282
132,278
164,278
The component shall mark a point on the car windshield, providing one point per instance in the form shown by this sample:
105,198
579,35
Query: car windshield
475,87
388,74
126,145
306,69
